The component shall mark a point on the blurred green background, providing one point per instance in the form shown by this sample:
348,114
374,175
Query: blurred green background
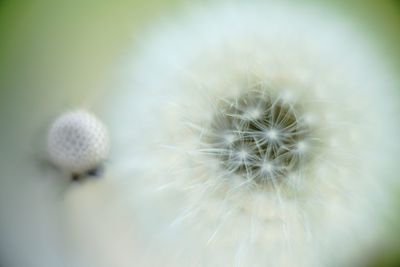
55,55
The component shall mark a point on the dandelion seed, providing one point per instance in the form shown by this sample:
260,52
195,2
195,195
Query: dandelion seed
272,134
301,147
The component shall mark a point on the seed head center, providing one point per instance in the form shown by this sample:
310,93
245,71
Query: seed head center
264,135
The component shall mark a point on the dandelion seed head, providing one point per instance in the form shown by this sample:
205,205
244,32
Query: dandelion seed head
280,157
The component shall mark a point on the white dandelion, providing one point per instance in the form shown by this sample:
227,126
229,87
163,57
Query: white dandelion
256,135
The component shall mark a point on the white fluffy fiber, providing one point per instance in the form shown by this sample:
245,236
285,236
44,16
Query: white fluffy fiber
186,211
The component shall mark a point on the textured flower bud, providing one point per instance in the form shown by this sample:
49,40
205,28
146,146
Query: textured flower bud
77,142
